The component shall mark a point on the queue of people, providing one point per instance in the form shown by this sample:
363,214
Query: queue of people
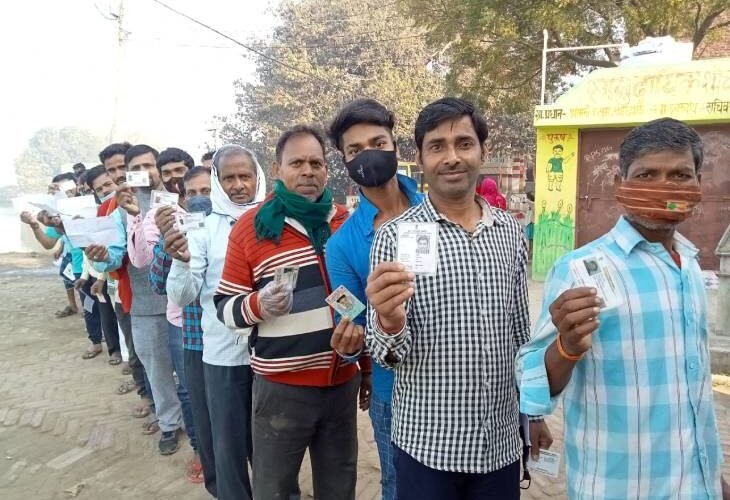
232,338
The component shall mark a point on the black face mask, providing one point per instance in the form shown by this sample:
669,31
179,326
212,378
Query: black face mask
175,185
373,167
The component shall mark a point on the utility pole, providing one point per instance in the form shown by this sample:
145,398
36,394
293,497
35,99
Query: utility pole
121,56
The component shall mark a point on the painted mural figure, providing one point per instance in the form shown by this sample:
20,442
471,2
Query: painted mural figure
555,168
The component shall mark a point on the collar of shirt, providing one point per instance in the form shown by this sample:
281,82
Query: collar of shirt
627,238
490,216
366,211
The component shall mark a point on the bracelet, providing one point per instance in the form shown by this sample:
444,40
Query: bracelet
564,354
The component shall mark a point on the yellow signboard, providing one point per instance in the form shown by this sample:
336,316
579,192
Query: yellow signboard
698,91
556,174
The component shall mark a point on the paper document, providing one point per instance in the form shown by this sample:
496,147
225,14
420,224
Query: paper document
91,231
79,206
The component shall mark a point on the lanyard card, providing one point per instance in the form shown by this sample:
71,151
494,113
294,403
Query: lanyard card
418,246
138,178
345,303
595,271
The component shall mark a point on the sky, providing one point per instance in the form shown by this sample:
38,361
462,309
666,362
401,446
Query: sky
62,67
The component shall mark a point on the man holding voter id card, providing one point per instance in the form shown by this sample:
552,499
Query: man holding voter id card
623,338
304,392
448,311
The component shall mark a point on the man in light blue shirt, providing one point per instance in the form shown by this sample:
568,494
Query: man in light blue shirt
639,415
363,132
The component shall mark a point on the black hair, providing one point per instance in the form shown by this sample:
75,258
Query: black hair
194,172
66,176
79,165
118,148
296,131
93,174
139,150
359,111
660,135
207,156
558,146
172,155
449,108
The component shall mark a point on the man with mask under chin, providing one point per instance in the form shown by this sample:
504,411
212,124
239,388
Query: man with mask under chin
363,132
635,378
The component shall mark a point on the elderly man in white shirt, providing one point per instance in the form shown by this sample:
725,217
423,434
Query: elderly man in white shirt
237,184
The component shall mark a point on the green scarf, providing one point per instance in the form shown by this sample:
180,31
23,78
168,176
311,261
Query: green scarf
269,221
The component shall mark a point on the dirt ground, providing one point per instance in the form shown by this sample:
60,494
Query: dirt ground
64,433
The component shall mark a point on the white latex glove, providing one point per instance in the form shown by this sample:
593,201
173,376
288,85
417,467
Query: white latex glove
275,299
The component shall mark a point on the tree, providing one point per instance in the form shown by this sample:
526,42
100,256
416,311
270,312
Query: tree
49,151
324,54
493,48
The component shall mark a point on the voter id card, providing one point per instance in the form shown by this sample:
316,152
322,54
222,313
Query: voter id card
595,271
138,178
189,221
345,303
163,199
287,276
418,246
548,463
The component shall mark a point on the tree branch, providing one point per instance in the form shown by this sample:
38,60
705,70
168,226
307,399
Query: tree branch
705,27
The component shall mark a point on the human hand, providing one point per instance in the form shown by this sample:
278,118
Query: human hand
127,199
389,286
176,245
348,338
275,299
79,284
165,218
96,253
28,218
366,392
98,287
575,314
540,438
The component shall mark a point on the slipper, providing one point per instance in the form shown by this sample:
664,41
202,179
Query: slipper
126,388
141,411
150,427
115,359
92,352
66,312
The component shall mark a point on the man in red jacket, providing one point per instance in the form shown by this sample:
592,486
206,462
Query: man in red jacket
305,391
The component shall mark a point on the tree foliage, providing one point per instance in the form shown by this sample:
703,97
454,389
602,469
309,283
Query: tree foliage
51,150
493,48
323,54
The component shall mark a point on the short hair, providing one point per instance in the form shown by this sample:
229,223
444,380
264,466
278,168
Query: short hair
207,156
660,135
139,150
66,176
232,150
79,165
195,172
558,146
296,131
118,148
367,111
94,174
449,108
172,155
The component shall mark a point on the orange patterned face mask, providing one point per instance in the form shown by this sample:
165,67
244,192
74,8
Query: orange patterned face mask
659,200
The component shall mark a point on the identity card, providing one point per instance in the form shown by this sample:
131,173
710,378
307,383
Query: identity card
595,271
548,463
163,199
345,303
138,178
418,246
286,275
189,221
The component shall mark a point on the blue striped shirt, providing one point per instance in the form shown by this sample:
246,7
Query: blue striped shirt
639,415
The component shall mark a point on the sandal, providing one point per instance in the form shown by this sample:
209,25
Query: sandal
115,359
194,470
66,312
150,427
126,387
141,410
126,370
92,352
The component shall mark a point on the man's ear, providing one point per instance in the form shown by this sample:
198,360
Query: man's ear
418,158
274,171
617,179
699,179
485,150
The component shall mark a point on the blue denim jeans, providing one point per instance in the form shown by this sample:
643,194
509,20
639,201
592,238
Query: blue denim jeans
178,363
381,415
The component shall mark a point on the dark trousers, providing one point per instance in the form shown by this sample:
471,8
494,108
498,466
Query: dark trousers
108,319
138,374
91,318
418,482
289,419
228,389
175,341
195,378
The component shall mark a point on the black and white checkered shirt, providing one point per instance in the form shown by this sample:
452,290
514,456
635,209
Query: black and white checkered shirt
455,405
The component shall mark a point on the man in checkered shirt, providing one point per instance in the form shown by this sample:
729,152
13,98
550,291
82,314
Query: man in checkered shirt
452,337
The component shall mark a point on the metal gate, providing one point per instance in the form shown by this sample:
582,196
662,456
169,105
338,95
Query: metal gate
598,210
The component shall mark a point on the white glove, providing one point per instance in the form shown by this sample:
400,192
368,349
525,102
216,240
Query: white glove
275,299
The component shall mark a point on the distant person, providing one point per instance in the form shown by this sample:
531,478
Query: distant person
489,191
79,169
207,159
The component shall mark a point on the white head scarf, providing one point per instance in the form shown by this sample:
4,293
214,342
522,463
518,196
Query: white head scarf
222,204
